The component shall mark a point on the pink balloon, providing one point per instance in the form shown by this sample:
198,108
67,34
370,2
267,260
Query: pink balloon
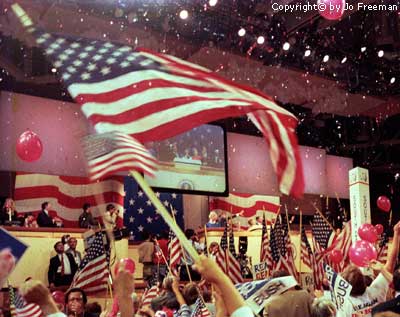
383,203
58,297
368,232
336,256
379,228
126,263
362,252
29,147
331,9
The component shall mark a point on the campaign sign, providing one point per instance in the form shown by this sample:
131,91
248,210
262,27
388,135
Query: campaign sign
339,287
258,293
260,271
16,246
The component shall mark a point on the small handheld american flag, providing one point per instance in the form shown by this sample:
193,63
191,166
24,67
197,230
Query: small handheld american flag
20,308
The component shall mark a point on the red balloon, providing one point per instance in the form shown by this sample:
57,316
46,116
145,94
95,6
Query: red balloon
362,252
58,297
336,256
331,9
126,263
29,147
368,232
379,228
384,203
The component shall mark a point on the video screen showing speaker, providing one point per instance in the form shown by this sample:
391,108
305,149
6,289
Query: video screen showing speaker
192,162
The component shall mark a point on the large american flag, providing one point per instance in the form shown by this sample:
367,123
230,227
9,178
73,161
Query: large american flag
140,213
153,96
20,308
67,194
200,309
112,152
93,272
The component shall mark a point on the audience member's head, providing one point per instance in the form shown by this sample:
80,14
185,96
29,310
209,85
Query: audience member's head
353,275
72,242
146,235
251,222
190,233
45,205
190,293
65,238
93,310
59,247
9,204
323,307
386,314
164,235
75,301
214,246
86,207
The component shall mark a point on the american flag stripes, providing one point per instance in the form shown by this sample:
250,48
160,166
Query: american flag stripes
93,272
66,194
149,294
175,253
154,96
109,153
265,251
200,309
307,255
20,308
234,270
220,256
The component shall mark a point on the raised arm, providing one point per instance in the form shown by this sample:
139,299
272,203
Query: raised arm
230,295
392,256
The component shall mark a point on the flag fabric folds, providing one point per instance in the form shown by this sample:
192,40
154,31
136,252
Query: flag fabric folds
66,194
152,96
200,309
92,275
108,153
265,252
149,294
175,253
20,308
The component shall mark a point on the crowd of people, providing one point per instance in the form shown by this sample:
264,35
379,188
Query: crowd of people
202,281
9,216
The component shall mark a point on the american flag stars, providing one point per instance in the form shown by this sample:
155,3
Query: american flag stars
131,202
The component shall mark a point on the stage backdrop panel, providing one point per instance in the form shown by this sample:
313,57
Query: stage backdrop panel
59,125
250,169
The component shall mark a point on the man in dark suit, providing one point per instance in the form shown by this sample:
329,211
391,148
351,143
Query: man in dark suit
44,219
392,305
62,267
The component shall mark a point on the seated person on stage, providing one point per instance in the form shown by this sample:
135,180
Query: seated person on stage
196,155
8,214
213,221
75,302
86,219
72,242
30,221
254,225
62,267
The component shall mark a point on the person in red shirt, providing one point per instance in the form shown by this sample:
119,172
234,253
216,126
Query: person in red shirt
161,255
